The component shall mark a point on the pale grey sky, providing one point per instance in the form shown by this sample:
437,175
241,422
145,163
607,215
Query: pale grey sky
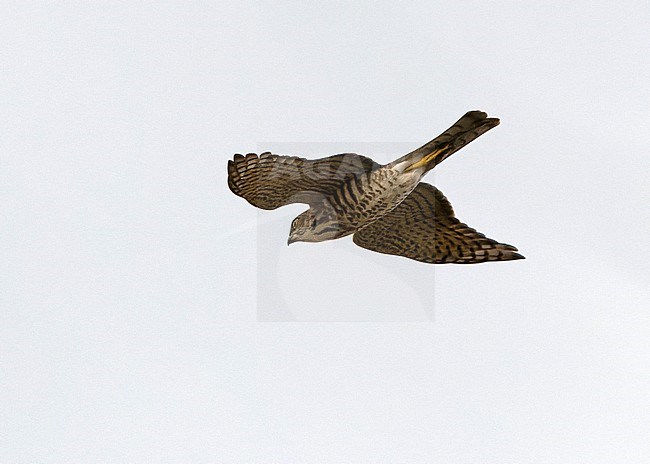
131,329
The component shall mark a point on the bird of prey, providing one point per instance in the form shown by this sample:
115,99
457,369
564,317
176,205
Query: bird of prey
386,207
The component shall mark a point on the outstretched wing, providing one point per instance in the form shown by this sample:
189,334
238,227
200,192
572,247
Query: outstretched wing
269,181
423,227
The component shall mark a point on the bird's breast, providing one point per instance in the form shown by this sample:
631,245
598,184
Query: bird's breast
364,199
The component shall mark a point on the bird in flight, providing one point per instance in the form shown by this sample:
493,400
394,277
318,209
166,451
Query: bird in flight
386,207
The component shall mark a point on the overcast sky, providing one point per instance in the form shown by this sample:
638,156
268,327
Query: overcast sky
150,315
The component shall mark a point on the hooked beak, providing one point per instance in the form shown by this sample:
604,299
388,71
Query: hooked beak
290,240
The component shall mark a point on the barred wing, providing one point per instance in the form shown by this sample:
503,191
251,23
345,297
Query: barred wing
269,181
423,227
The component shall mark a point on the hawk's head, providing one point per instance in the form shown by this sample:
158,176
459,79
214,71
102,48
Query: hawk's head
313,227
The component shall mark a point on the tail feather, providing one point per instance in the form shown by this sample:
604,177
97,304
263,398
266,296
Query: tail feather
472,125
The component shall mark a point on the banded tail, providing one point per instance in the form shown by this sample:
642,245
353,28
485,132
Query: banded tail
469,127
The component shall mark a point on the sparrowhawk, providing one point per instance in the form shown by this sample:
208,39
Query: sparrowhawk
386,207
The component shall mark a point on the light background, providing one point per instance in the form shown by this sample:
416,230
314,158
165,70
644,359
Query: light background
128,329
